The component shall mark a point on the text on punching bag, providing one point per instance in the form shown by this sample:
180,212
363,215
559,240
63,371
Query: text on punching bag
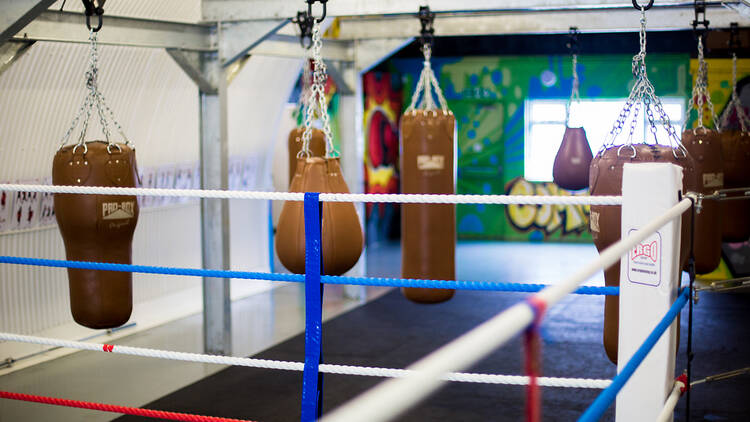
118,210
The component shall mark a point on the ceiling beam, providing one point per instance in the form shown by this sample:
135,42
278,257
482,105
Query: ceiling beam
71,27
17,14
545,22
10,52
236,39
238,10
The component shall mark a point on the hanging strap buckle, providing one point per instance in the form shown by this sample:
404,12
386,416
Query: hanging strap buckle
734,38
305,22
91,8
573,46
426,20
700,18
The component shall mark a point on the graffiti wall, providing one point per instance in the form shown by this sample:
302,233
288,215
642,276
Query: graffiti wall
382,111
488,95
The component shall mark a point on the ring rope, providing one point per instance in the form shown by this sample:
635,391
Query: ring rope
680,386
324,197
299,366
136,411
606,397
300,278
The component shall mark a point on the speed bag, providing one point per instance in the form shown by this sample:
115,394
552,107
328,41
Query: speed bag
317,147
735,215
341,232
571,168
97,228
428,231
605,178
704,146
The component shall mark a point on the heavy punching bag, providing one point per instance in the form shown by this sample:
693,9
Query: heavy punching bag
605,221
97,228
735,152
428,166
341,232
571,167
704,146
735,214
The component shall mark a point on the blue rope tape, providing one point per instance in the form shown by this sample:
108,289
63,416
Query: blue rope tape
312,380
606,397
299,278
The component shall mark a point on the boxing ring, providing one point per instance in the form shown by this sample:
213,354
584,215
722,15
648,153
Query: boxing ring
646,210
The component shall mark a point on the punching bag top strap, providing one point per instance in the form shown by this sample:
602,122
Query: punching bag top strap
642,95
427,81
317,98
95,98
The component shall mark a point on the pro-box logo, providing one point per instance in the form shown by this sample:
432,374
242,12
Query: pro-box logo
648,250
118,210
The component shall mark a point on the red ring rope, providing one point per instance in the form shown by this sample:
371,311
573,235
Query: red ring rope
532,361
174,416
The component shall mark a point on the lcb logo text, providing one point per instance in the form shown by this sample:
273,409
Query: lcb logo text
568,219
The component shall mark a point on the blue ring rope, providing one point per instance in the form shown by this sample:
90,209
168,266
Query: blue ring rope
300,278
606,397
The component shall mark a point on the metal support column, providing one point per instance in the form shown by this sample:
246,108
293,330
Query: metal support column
217,322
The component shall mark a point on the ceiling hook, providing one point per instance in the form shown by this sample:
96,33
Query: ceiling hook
325,11
646,7
426,20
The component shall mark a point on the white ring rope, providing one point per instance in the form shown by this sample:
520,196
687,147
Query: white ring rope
324,197
463,352
300,366
668,411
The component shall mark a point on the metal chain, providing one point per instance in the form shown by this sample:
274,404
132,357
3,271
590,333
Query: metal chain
317,97
426,83
734,104
94,98
643,92
701,97
574,95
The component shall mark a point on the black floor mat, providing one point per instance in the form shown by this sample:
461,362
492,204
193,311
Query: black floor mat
392,332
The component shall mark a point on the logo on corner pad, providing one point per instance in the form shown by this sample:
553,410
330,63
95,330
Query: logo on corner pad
644,263
118,210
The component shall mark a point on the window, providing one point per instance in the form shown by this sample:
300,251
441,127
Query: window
545,126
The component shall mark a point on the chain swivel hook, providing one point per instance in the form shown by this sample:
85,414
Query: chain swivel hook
91,8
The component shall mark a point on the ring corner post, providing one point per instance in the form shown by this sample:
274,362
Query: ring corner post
649,282
312,379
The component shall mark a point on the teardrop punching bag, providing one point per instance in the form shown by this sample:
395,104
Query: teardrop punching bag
97,228
606,179
428,231
341,232
317,147
704,146
735,214
571,168
342,238
573,159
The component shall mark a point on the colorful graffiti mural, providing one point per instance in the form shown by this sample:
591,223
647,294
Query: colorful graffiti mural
381,118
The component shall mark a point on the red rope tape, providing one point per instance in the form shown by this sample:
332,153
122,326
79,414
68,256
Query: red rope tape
532,360
174,416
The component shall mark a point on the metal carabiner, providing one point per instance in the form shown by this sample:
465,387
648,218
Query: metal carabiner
646,7
309,9
92,9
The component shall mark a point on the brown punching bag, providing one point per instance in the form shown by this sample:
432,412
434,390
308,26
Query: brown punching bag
317,147
428,231
340,228
704,146
605,178
735,214
97,228
571,168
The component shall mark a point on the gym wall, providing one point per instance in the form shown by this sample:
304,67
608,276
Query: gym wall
487,94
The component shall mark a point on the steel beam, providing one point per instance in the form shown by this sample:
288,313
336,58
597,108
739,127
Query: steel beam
369,53
217,322
236,39
17,14
70,27
542,22
239,10
12,51
288,46
190,63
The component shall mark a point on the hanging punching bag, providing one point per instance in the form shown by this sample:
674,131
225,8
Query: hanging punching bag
605,221
571,168
428,231
340,229
704,146
97,228
735,214
317,147
341,232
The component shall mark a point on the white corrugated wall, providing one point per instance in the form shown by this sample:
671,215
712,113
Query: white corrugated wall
157,106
